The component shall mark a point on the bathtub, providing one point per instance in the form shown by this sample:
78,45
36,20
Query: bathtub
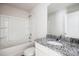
17,50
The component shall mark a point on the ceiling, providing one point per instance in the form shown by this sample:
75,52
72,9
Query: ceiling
24,6
57,6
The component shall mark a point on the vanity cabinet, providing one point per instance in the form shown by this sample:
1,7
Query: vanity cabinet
41,50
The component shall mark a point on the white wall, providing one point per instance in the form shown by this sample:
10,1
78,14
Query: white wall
73,24
12,11
51,27
39,21
56,20
18,26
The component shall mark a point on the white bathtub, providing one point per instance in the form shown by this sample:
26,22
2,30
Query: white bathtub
15,50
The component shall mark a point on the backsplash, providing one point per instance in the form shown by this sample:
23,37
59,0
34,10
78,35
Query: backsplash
51,36
74,40
68,39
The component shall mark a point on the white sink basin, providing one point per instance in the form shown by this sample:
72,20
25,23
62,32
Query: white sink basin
54,43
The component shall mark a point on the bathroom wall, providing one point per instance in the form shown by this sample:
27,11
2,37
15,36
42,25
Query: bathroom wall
12,11
73,24
18,25
39,21
56,22
51,27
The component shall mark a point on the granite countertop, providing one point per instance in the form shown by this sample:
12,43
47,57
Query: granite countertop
68,49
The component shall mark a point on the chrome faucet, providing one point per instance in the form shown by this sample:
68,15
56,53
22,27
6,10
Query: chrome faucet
59,37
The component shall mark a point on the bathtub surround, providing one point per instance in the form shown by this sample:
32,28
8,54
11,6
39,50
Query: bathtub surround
16,31
18,25
17,37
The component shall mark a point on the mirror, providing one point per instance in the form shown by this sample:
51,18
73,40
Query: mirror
63,19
